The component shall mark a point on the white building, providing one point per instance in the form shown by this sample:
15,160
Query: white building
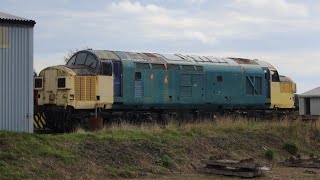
16,73
309,103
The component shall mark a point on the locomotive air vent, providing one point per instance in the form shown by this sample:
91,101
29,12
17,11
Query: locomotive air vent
85,88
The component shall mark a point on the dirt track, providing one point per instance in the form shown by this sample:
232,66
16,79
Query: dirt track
278,173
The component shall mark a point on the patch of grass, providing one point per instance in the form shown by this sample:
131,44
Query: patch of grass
269,154
124,172
47,151
291,147
167,161
10,172
32,156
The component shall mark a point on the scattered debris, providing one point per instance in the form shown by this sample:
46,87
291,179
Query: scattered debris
265,168
246,168
309,172
297,161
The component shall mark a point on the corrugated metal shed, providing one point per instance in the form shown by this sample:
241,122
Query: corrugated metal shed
6,18
16,73
309,102
312,93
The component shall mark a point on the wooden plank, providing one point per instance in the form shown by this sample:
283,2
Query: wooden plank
290,164
231,163
230,172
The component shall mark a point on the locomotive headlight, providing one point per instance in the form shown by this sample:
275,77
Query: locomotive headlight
61,82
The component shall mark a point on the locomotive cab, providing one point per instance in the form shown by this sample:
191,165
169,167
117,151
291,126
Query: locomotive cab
282,91
83,83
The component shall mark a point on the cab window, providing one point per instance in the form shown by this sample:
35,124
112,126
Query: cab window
81,59
275,76
91,61
72,60
106,69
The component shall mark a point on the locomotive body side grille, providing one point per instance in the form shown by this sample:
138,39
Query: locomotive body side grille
85,88
286,87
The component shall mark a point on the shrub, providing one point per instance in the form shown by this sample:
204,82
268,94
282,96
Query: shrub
167,161
291,147
269,155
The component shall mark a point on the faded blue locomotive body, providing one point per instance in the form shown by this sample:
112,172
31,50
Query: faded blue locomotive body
162,81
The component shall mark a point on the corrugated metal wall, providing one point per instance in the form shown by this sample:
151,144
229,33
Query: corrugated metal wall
16,80
302,110
315,106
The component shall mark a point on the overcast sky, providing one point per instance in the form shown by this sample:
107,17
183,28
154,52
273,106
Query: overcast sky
285,33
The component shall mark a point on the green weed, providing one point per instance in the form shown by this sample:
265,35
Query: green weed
291,147
167,161
124,172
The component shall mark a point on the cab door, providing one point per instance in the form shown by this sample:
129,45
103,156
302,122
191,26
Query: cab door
267,79
117,74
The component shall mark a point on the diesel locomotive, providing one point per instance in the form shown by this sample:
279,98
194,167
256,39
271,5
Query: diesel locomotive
107,82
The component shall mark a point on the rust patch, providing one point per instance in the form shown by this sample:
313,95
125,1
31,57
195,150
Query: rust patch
244,61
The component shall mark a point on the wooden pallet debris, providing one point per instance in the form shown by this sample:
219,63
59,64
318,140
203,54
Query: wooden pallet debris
245,168
297,161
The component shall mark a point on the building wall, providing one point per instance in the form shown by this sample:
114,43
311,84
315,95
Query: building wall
315,106
16,78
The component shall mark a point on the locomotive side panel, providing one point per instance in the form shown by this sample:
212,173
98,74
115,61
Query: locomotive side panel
94,91
255,88
159,85
235,87
190,86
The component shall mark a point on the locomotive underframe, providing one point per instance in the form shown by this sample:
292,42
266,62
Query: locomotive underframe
67,119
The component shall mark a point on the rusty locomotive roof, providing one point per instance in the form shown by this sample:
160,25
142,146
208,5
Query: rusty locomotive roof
6,18
160,58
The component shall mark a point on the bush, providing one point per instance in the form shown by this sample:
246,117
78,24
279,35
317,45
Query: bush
291,147
167,161
269,155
